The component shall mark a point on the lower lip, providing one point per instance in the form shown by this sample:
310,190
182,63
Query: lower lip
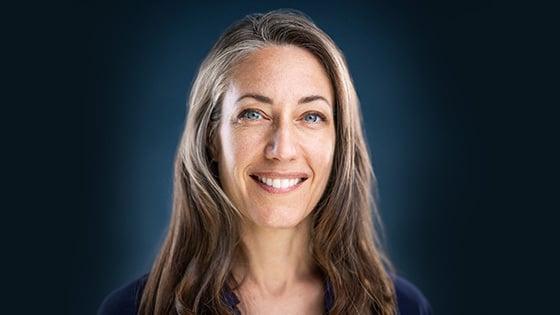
273,190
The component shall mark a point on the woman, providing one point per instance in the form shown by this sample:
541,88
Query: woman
273,200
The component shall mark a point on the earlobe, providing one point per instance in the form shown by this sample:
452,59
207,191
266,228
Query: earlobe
214,152
214,161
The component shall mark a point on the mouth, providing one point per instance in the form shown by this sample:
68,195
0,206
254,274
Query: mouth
279,184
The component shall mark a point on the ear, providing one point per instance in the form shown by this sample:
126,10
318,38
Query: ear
214,149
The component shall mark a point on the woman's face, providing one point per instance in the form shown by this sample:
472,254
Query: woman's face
276,137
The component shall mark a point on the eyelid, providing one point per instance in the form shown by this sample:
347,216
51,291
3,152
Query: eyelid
312,112
240,116
321,115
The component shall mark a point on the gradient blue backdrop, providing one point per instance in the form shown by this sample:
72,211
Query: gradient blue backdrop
412,66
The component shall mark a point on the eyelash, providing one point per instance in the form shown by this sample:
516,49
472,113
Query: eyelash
323,118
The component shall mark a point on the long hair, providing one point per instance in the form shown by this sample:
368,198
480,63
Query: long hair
195,262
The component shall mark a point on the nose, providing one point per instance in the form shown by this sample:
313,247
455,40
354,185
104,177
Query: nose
283,143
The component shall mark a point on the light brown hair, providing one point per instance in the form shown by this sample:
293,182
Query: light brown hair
195,262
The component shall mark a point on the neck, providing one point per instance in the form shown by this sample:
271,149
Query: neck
276,259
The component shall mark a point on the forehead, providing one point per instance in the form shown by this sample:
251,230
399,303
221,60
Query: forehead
281,73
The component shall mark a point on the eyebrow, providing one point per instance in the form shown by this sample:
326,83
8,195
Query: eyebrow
268,100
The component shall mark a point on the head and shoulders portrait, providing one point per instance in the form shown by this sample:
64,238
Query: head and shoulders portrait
274,206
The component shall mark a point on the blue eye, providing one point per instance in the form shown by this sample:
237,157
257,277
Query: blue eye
315,117
250,114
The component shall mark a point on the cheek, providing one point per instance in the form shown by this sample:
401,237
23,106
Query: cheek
320,151
239,148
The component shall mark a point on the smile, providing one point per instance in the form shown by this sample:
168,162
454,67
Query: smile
278,185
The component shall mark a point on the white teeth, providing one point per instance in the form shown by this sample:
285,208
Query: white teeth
280,183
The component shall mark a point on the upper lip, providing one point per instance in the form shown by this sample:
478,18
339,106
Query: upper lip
287,175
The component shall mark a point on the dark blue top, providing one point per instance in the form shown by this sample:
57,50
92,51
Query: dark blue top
124,301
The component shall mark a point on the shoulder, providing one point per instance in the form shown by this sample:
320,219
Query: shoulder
410,300
124,300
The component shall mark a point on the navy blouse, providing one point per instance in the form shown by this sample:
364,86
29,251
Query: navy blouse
125,300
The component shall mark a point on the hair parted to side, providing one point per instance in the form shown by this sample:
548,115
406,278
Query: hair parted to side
195,262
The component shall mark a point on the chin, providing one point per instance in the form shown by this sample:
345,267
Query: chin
277,218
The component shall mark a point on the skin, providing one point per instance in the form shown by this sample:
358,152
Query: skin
284,136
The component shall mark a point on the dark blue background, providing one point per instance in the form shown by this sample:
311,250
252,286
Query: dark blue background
448,121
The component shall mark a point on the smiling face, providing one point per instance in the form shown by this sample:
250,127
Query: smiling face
276,138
